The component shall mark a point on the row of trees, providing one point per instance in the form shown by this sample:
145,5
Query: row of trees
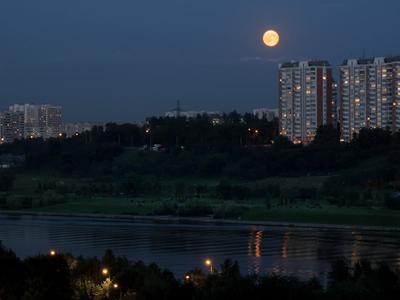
241,147
64,277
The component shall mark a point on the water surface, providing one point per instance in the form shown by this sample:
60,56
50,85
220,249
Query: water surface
181,247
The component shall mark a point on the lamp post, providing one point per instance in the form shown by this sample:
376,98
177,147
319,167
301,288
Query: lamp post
208,262
106,272
148,132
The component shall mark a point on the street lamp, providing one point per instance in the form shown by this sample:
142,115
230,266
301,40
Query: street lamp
148,131
106,272
209,264
52,252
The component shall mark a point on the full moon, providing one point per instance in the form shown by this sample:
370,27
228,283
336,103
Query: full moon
271,38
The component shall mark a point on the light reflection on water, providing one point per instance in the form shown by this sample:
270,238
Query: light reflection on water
180,247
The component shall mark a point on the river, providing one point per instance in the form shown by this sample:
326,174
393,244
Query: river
304,252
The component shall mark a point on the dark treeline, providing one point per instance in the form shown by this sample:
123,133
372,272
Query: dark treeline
62,277
241,146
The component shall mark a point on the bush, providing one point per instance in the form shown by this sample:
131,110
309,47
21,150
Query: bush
49,198
227,191
195,208
165,208
18,202
228,212
6,180
392,201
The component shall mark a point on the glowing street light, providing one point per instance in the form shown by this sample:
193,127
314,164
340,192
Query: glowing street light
105,271
115,285
148,132
52,252
208,262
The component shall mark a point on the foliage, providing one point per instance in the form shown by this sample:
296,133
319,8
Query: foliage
66,277
7,179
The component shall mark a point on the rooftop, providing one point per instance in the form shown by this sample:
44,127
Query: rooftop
310,63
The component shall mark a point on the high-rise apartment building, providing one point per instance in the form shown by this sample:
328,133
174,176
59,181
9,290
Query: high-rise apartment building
30,121
267,113
2,139
370,95
12,126
49,121
307,99
31,118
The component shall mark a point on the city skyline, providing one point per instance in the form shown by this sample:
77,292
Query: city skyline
131,60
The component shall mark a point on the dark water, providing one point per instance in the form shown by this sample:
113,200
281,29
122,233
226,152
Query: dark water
181,247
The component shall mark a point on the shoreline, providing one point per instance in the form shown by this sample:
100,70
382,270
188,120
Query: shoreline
199,220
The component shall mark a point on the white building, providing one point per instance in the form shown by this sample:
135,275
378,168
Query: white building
30,121
267,113
307,99
370,94
50,118
12,126
31,118
71,129
215,116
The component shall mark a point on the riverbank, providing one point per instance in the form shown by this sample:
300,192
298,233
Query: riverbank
198,220
274,200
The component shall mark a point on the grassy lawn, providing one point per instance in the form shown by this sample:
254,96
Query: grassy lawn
327,215
103,205
255,210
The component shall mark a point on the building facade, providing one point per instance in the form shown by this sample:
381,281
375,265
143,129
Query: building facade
31,118
12,126
73,129
307,99
370,95
50,119
30,121
265,113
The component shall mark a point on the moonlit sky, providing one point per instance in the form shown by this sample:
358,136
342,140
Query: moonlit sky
123,60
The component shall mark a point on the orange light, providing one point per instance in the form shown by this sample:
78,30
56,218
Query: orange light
208,262
115,285
53,253
104,271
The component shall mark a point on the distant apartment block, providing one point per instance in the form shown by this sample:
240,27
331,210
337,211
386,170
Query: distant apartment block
370,95
31,118
49,121
30,121
265,113
12,126
71,129
215,116
307,99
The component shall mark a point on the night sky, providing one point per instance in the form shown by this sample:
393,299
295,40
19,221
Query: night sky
123,60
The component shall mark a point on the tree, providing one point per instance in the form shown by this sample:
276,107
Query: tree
47,277
11,275
7,179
